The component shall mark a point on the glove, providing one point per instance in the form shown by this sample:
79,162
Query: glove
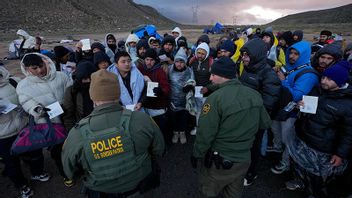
194,162
157,91
188,88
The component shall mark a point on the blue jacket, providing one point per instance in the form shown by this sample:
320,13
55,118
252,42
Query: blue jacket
304,84
137,85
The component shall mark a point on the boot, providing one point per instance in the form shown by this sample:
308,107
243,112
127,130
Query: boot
175,137
183,139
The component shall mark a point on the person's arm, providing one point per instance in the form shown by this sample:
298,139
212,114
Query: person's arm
71,154
208,128
302,86
27,102
271,86
344,143
69,107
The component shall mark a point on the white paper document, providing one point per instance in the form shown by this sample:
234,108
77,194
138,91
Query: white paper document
197,93
55,110
150,87
85,44
130,107
7,108
310,104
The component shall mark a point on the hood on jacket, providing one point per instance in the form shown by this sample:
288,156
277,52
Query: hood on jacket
106,39
99,57
304,50
257,50
205,47
131,38
178,30
334,49
30,40
287,36
98,45
4,76
50,65
168,39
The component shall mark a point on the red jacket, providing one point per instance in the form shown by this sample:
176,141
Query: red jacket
157,74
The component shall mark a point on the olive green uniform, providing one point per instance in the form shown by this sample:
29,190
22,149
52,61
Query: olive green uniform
231,116
113,163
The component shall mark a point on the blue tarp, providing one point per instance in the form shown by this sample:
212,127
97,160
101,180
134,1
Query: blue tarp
216,29
150,29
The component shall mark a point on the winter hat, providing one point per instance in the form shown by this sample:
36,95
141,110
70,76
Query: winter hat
168,39
224,67
203,38
338,72
104,86
98,45
299,34
326,33
182,42
60,51
99,57
151,53
142,43
181,55
178,30
228,45
287,36
84,70
334,49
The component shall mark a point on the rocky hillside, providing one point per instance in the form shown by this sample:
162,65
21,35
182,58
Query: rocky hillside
60,16
329,16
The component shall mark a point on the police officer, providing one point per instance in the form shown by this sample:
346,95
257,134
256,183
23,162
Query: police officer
113,149
230,118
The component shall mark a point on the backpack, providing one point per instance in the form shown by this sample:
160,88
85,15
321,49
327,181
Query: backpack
13,82
210,61
286,97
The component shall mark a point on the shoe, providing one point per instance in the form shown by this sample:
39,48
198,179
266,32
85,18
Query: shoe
42,177
183,138
294,184
175,137
194,131
26,192
280,168
272,149
68,182
248,180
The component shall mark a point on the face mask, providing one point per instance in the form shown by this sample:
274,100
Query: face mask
112,47
133,50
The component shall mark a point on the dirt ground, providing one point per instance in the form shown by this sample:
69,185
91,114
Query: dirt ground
178,179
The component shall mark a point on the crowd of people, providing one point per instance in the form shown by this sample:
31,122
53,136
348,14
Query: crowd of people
127,102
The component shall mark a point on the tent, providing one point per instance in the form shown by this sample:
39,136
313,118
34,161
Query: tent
216,29
150,29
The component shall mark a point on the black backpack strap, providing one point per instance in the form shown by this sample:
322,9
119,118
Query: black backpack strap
304,71
13,82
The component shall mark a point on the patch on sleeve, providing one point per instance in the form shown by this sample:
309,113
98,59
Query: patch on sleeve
206,108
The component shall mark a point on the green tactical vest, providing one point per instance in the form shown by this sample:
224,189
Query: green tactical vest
110,153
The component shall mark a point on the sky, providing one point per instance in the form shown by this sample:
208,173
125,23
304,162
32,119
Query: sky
238,12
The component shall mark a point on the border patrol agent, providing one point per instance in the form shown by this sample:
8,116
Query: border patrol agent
113,149
230,118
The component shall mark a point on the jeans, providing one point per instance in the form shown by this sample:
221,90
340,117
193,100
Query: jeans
255,153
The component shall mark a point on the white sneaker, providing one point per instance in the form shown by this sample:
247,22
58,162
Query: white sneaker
26,192
175,137
183,139
42,177
194,131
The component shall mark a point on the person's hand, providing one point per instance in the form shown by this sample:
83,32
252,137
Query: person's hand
138,106
204,90
300,104
188,88
194,162
41,110
157,91
280,75
335,160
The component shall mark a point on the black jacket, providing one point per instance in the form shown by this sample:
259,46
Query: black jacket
330,129
259,75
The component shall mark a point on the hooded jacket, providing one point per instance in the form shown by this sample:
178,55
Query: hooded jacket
330,129
131,38
275,54
34,91
12,122
201,69
108,51
29,42
333,49
259,75
304,84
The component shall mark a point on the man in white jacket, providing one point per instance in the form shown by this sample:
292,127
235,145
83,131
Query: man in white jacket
42,86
